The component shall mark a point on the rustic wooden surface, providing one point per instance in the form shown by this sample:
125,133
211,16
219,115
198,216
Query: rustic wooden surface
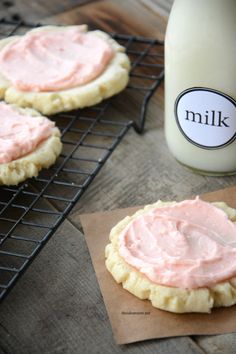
57,306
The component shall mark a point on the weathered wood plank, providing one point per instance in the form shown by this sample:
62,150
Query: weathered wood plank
218,344
9,341
57,307
34,10
112,15
161,7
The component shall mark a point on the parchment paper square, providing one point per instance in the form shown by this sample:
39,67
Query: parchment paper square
133,319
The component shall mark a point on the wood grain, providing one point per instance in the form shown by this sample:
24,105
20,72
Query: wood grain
33,11
115,16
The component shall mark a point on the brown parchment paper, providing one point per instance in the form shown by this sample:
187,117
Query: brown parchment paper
133,319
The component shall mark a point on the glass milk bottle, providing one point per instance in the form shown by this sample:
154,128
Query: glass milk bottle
200,85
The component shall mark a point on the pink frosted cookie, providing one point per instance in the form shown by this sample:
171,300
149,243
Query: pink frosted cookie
28,143
55,68
180,256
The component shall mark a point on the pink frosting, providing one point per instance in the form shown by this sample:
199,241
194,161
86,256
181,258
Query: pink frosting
20,134
54,60
190,244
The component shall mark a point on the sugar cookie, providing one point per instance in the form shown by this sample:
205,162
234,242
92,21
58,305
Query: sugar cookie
81,70
180,256
28,143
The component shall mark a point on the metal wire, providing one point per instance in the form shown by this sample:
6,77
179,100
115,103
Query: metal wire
31,212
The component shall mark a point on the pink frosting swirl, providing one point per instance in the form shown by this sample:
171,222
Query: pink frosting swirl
190,244
20,134
54,60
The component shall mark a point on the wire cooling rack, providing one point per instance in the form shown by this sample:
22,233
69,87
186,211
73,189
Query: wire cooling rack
31,212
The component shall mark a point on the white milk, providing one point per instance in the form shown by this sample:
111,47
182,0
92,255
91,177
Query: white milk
200,84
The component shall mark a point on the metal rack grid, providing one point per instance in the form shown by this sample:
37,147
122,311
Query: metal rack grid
31,212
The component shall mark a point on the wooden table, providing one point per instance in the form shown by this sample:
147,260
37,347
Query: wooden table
57,306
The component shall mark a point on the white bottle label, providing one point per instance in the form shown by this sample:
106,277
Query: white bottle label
206,117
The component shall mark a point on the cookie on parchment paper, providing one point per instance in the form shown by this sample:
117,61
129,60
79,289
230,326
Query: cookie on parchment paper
170,298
